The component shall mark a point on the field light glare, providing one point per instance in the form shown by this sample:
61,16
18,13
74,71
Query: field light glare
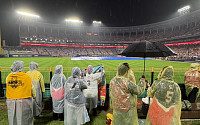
185,8
27,14
74,21
97,22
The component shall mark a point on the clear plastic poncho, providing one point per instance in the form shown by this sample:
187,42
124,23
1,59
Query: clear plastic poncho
20,110
57,89
165,107
123,96
18,66
91,93
192,79
38,82
75,112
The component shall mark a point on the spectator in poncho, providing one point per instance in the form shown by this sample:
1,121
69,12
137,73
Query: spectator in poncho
165,107
123,96
57,92
192,82
38,82
75,112
91,93
19,93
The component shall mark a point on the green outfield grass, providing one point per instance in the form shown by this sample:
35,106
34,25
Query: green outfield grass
110,69
110,66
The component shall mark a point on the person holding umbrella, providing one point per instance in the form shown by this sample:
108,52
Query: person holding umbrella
165,107
123,96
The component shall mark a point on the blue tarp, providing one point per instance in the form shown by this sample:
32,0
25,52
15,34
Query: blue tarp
108,58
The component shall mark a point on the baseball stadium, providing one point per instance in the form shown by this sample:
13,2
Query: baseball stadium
28,36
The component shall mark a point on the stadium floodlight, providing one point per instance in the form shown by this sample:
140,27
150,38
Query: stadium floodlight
97,22
184,9
27,14
74,21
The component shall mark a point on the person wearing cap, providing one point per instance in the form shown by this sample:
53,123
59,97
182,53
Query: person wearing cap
38,82
91,93
75,112
165,107
123,96
57,92
192,82
19,94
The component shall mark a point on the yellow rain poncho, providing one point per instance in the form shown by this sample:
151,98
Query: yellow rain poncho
19,93
38,82
192,79
123,96
165,107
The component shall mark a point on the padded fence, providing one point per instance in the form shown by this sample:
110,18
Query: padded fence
110,73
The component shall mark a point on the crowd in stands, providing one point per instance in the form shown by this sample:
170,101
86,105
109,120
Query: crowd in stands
63,37
61,51
188,25
186,52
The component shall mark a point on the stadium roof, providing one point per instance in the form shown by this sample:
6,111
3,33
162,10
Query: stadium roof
110,12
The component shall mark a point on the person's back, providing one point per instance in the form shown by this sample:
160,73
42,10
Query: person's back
192,82
123,96
165,107
92,84
38,82
19,93
75,112
91,93
57,92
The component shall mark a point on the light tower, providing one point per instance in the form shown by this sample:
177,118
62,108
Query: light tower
26,17
73,21
184,10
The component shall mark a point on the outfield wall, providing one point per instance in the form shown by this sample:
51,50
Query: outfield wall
110,73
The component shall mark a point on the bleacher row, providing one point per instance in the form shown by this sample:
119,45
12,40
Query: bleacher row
186,52
61,51
183,26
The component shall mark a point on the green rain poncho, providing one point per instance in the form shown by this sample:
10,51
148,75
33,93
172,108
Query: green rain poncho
123,96
165,107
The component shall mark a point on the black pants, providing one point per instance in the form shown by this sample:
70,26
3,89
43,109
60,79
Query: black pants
58,116
193,95
94,111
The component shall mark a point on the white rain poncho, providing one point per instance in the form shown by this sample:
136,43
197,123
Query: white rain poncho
75,112
19,105
57,89
123,96
165,107
91,93
38,82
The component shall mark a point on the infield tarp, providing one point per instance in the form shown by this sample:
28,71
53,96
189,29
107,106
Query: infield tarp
108,58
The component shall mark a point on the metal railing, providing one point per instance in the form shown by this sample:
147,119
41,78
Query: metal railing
47,72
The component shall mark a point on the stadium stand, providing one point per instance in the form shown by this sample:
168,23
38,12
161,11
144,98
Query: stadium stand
184,28
59,51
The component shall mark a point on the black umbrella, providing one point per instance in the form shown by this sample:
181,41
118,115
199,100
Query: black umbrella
147,49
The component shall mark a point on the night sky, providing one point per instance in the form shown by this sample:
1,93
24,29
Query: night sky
110,12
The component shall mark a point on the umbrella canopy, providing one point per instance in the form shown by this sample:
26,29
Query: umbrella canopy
147,49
